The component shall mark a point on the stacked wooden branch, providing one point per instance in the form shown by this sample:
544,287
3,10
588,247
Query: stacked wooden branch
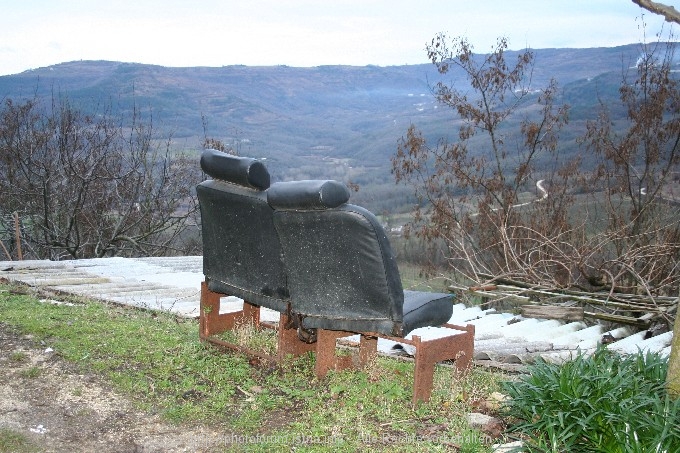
575,305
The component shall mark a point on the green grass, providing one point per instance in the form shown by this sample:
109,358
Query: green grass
15,442
32,372
602,403
157,360
18,357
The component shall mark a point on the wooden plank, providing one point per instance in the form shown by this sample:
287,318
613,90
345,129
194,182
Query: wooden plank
553,312
620,319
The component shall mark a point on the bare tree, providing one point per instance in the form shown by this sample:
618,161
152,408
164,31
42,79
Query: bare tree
638,157
471,190
92,185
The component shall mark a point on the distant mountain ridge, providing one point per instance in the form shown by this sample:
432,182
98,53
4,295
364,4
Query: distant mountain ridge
339,122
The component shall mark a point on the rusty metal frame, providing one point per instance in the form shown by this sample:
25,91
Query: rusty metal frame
212,323
457,347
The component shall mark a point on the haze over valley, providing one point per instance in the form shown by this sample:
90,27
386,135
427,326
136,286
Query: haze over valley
335,122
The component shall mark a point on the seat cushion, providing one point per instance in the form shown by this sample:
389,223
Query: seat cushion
422,309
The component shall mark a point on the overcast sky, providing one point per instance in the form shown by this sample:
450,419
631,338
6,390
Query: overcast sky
37,33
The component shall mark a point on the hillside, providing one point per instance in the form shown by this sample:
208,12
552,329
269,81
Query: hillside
339,122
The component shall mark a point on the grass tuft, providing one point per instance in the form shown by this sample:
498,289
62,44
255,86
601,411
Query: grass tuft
31,372
15,442
247,335
18,357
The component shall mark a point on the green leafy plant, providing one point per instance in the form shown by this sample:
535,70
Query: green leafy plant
605,402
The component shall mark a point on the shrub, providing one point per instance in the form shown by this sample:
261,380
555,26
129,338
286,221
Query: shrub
601,403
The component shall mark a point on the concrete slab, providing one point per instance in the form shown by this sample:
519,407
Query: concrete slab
171,284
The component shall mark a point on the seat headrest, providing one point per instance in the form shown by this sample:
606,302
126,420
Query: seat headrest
306,195
243,171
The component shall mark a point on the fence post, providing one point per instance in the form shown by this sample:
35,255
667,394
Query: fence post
9,257
17,235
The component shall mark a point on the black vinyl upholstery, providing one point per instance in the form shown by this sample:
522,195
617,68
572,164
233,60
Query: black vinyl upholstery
241,252
342,272
308,194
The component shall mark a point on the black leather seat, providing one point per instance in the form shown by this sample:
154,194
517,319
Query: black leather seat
242,255
325,265
342,272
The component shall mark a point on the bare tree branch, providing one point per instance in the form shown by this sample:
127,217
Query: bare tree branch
667,11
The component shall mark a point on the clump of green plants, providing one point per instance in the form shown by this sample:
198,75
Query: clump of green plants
604,402
18,357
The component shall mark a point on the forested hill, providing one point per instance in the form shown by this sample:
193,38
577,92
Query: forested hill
338,122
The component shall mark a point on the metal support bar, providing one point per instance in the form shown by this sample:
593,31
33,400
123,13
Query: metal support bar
289,343
326,357
457,347
368,349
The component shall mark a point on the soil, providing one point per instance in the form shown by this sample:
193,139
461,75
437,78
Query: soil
58,409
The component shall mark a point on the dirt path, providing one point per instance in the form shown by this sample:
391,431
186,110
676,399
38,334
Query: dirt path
44,398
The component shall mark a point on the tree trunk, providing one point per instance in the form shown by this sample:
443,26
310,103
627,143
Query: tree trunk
673,378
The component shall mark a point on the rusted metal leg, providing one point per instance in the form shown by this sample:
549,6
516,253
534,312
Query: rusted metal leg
458,347
424,371
325,353
465,347
209,312
211,322
368,349
288,341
